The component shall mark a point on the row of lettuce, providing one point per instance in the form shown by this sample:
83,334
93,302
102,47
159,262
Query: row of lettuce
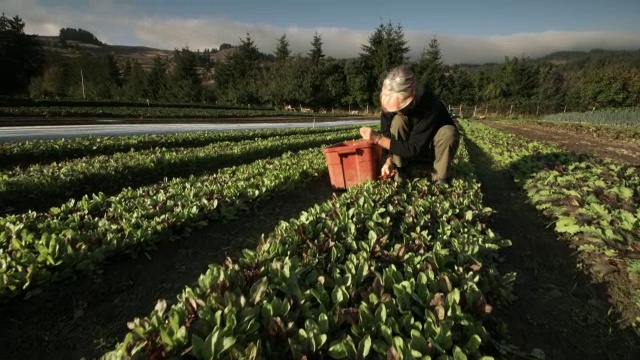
40,247
53,183
26,153
145,112
380,271
617,117
593,202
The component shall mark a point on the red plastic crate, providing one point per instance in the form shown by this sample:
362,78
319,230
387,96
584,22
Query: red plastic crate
352,162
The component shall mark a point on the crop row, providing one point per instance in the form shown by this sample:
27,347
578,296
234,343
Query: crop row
42,151
143,112
41,186
381,271
625,116
36,248
592,201
610,132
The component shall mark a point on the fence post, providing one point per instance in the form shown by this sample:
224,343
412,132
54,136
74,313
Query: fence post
474,110
460,112
486,110
82,78
510,110
537,110
565,109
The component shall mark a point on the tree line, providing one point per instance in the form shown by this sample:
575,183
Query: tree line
313,79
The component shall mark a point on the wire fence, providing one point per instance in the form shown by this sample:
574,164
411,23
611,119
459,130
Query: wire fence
514,110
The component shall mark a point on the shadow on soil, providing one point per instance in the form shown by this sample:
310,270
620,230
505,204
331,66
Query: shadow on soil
557,309
88,316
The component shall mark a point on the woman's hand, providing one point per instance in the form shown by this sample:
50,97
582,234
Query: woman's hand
388,169
368,134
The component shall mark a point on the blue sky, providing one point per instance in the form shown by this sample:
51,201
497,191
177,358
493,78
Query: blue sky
466,17
491,27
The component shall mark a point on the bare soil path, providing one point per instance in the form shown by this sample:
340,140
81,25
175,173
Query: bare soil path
580,143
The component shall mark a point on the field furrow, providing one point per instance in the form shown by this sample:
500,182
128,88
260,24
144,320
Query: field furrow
593,203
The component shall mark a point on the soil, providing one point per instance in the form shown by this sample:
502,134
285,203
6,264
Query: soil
88,316
556,309
581,143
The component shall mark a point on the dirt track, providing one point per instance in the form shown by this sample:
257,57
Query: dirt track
580,143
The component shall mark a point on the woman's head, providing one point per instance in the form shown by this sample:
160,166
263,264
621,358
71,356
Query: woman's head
398,89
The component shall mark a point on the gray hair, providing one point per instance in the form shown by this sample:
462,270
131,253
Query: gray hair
399,79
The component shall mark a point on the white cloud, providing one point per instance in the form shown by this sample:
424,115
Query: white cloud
118,18
342,42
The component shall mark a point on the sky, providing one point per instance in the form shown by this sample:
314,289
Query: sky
469,31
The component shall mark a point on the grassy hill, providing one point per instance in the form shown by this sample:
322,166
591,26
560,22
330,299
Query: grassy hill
144,55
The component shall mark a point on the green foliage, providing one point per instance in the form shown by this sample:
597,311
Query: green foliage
379,272
21,56
282,50
40,247
622,117
143,112
157,83
79,35
237,78
184,79
359,83
593,202
430,69
134,83
612,87
386,49
458,88
247,77
316,54
23,154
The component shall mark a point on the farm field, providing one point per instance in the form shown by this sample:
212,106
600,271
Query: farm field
615,142
146,112
233,244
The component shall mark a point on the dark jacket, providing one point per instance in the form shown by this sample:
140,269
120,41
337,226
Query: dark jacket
427,115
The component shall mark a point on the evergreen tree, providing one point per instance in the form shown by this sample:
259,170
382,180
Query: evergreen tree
460,88
185,81
21,56
429,68
79,35
156,82
134,88
282,50
358,82
237,79
549,90
386,49
316,54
